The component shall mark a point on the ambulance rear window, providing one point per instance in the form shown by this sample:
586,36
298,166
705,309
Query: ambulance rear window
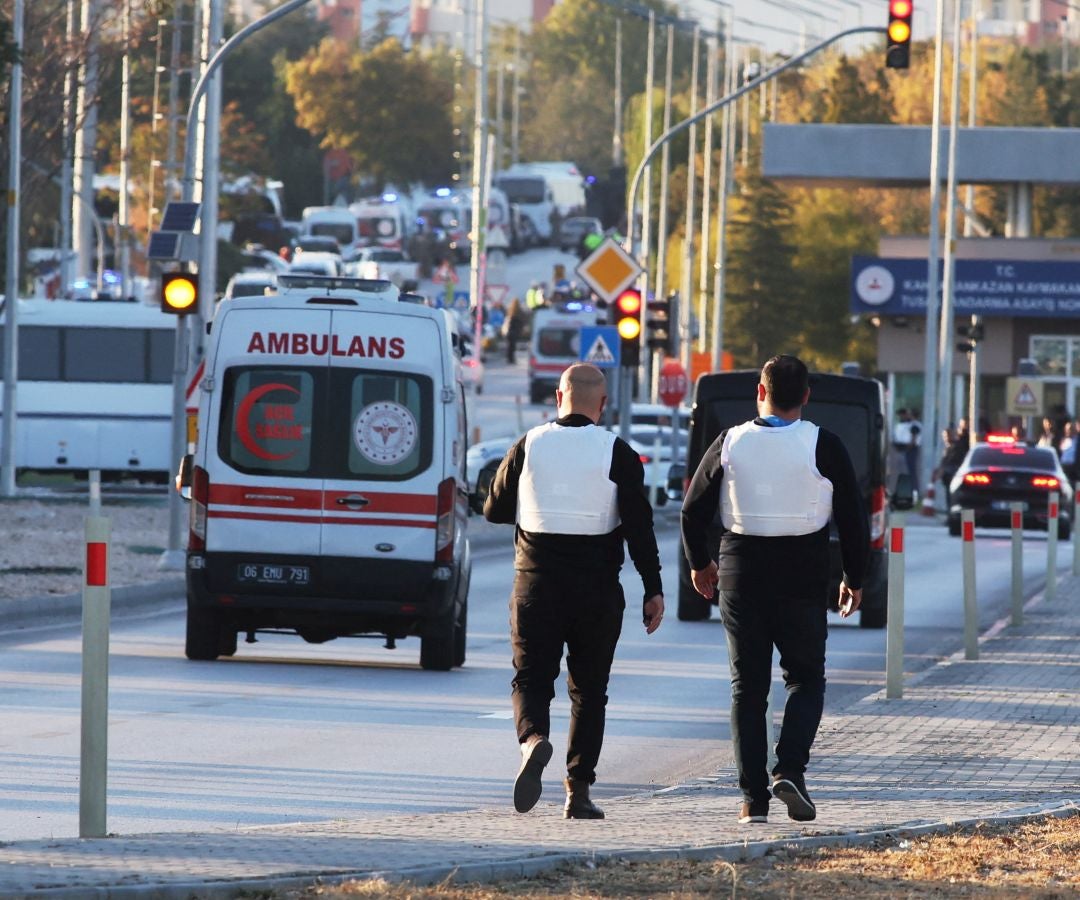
268,420
559,342
390,423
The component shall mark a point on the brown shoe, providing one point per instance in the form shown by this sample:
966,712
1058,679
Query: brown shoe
536,753
754,812
578,804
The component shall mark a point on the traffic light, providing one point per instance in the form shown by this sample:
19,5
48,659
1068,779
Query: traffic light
658,325
628,324
898,52
179,293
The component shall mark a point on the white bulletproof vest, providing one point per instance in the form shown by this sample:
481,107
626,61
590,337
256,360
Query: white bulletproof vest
771,484
565,486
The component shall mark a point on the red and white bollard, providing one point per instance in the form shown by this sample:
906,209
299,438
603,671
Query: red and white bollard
971,607
93,757
894,636
928,501
1051,545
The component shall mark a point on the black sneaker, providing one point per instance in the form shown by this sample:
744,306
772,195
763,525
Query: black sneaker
754,812
791,791
536,753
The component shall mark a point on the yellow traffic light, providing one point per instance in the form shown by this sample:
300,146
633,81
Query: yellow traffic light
629,329
179,293
898,49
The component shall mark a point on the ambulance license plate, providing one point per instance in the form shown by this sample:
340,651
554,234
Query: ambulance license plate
265,573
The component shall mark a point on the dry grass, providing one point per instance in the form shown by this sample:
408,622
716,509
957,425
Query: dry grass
1038,859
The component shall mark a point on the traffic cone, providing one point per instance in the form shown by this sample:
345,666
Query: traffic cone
928,502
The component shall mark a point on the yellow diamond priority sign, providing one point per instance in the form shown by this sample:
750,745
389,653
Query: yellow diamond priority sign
609,270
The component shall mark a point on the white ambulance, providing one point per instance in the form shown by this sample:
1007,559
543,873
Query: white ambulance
328,492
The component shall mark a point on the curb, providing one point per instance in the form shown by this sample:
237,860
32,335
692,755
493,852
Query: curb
55,609
529,866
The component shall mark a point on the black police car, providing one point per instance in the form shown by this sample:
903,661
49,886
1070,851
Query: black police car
850,407
1000,472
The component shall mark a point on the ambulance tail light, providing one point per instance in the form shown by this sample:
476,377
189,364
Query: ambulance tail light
200,493
877,518
444,523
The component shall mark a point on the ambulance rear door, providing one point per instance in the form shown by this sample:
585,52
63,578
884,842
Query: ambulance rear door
385,453
264,462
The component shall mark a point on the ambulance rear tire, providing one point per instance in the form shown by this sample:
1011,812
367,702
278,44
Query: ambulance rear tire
692,606
438,643
207,637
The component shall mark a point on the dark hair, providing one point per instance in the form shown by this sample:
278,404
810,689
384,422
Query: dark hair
786,381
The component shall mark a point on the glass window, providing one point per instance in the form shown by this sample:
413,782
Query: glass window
1050,354
390,424
268,421
522,189
1074,356
1037,458
115,355
162,349
559,342
39,353
342,233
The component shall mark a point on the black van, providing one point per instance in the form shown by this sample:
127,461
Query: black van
850,407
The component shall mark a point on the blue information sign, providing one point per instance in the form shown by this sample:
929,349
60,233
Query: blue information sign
600,345
984,287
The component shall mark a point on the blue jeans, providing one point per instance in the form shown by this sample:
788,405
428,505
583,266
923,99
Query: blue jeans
797,626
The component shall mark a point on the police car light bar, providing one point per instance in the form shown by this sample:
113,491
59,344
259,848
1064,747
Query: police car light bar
336,283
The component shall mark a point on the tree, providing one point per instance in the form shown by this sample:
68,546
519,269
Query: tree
848,98
385,107
766,307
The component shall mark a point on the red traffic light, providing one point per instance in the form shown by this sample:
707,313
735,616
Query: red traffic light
628,303
628,315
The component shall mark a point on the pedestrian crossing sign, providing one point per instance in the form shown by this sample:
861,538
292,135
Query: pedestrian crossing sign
1023,396
600,346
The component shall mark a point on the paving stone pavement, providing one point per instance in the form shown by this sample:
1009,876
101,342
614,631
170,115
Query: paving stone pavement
968,740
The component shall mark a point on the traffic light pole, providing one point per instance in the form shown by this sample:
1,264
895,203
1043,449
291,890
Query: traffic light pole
173,557
632,244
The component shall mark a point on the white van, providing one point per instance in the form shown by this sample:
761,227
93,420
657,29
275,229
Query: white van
328,492
332,221
555,344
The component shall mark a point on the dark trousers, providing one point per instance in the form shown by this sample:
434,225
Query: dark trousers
547,613
797,627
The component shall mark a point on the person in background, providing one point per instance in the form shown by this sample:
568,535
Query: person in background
1067,450
513,328
956,446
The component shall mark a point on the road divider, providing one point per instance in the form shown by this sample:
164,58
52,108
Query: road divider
93,752
894,636
971,606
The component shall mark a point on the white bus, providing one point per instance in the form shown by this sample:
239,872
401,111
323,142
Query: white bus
95,388
544,192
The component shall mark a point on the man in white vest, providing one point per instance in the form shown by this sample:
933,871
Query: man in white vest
576,492
776,481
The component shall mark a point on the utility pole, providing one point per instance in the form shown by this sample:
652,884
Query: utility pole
947,336
686,302
66,171
500,80
86,114
665,170
479,201
11,275
515,103
122,237
213,32
973,105
706,200
930,365
727,169
616,135
646,205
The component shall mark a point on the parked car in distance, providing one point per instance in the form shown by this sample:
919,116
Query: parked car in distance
257,258
657,414
313,262
380,263
315,243
484,455
472,368
250,284
643,438
999,472
575,228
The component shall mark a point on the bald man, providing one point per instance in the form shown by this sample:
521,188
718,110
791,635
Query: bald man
575,493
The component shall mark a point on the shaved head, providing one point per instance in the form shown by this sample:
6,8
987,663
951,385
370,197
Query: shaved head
582,389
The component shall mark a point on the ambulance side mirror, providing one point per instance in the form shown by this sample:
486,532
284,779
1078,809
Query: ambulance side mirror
183,476
478,498
903,495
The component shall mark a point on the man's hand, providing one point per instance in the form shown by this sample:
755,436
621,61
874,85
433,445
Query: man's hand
653,613
705,580
849,599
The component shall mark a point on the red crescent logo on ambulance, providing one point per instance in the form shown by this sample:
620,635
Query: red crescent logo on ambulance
243,421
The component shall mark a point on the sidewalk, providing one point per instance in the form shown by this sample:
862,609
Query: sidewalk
969,740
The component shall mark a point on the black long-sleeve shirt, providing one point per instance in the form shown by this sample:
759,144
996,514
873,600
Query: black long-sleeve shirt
570,553
776,563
